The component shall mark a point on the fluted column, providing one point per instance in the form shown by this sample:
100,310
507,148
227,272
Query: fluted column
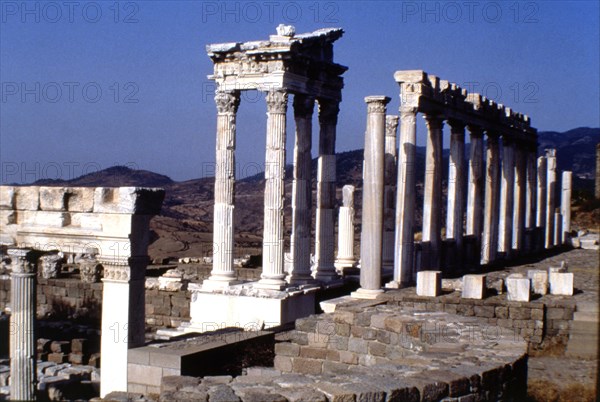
223,273
489,242
324,269
565,205
389,197
550,196
530,190
345,256
273,276
371,239
506,197
23,378
475,190
519,209
405,198
456,185
542,194
432,199
301,192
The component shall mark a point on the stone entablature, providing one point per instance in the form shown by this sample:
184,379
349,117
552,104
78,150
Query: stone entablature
297,63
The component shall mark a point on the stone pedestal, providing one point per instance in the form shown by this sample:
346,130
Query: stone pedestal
432,197
489,242
345,255
273,276
518,288
565,206
389,196
222,273
474,287
371,241
561,283
23,378
539,281
429,283
405,200
301,193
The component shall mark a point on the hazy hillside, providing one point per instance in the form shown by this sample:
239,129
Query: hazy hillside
185,225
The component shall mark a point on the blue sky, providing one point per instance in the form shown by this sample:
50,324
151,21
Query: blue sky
87,85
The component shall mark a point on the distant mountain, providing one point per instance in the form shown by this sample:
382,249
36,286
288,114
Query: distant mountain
185,224
575,149
116,176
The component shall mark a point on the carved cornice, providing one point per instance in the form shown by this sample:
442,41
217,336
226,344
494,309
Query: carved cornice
276,102
227,102
328,111
376,104
433,122
303,106
391,125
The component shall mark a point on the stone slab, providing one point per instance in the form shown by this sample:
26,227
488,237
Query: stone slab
474,286
518,288
561,283
429,283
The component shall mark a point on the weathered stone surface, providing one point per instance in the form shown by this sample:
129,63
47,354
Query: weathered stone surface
474,286
50,265
561,283
518,288
539,281
429,283
128,200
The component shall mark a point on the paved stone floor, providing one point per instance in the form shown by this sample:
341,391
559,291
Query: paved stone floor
557,369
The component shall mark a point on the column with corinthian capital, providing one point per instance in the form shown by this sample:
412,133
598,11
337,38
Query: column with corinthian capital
273,276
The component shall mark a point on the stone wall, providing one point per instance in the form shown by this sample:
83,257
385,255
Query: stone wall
374,352
537,320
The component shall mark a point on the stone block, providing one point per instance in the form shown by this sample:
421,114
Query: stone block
539,281
53,198
27,198
306,366
79,345
518,288
128,200
58,357
287,349
60,346
561,283
7,197
75,358
80,199
429,283
474,286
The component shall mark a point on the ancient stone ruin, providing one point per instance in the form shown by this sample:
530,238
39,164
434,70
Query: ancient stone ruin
405,334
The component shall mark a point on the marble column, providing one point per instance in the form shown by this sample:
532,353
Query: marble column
565,205
550,196
542,194
489,242
456,185
23,378
432,199
530,190
519,208
273,276
476,184
223,273
371,239
324,269
302,192
507,186
405,199
389,198
345,256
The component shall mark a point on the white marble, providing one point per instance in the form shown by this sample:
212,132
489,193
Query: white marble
489,242
561,283
518,288
345,255
539,281
550,197
565,206
506,198
474,286
429,283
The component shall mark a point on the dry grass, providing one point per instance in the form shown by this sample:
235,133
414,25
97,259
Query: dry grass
546,391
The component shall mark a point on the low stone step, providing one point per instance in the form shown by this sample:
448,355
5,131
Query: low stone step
589,307
586,316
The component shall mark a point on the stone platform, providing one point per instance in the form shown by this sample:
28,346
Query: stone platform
377,352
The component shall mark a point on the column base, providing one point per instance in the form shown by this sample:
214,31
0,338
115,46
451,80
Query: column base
218,284
301,280
396,285
369,294
271,284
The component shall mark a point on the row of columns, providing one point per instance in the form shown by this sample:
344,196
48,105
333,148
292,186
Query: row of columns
273,275
500,201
